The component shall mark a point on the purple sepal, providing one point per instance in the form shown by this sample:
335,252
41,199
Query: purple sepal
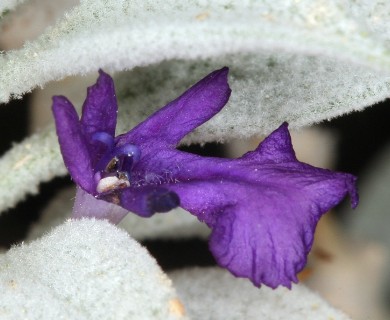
86,205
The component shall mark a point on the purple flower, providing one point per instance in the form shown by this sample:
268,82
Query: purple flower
262,208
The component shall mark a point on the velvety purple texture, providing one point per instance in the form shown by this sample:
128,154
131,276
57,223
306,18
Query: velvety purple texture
262,208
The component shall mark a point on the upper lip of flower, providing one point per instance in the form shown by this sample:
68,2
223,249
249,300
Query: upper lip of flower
104,165
262,207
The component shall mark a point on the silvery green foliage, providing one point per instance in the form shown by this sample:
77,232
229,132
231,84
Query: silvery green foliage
296,61
88,269
177,224
210,293
36,159
85,269
123,34
267,89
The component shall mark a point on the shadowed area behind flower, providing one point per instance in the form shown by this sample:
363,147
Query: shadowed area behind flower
262,207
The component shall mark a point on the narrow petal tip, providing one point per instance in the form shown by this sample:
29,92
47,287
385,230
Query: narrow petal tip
72,143
59,101
104,77
223,72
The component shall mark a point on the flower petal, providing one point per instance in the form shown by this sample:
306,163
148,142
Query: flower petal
263,210
73,145
268,240
100,108
194,107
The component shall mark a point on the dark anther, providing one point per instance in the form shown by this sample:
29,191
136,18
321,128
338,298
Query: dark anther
112,166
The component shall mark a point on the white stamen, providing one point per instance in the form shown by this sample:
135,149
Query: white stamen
111,183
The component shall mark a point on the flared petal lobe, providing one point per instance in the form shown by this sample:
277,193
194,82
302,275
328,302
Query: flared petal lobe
263,210
193,108
73,143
